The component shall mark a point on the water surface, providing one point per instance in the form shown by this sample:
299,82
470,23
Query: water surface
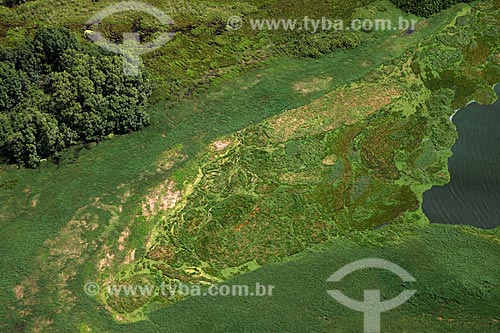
473,195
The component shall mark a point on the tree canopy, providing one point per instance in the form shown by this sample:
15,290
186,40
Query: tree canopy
55,93
425,8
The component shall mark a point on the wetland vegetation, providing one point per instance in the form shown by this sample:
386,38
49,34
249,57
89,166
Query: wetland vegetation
260,163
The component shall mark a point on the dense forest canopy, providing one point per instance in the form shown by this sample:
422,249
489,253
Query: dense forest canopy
425,8
55,93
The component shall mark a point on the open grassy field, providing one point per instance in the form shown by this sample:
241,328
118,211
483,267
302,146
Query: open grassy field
455,268
100,216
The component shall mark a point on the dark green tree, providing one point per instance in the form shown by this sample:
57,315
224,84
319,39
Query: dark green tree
52,43
425,8
13,86
69,95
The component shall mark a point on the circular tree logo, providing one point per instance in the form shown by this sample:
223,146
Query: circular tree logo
371,306
131,49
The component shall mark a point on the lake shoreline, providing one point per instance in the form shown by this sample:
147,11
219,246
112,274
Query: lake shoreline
472,196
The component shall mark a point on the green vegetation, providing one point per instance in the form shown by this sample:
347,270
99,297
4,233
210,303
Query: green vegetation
11,3
305,44
55,94
51,124
425,8
154,205
464,60
355,159
456,274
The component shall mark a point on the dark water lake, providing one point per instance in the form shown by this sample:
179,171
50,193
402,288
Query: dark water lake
473,195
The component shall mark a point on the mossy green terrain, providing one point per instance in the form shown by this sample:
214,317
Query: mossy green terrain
355,159
204,50
264,166
456,276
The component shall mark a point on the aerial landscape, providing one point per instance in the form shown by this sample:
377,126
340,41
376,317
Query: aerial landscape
250,166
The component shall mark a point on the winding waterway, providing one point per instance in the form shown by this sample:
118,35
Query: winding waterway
472,196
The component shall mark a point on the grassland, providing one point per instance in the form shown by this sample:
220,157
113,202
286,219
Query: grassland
455,268
100,217
355,159
204,51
